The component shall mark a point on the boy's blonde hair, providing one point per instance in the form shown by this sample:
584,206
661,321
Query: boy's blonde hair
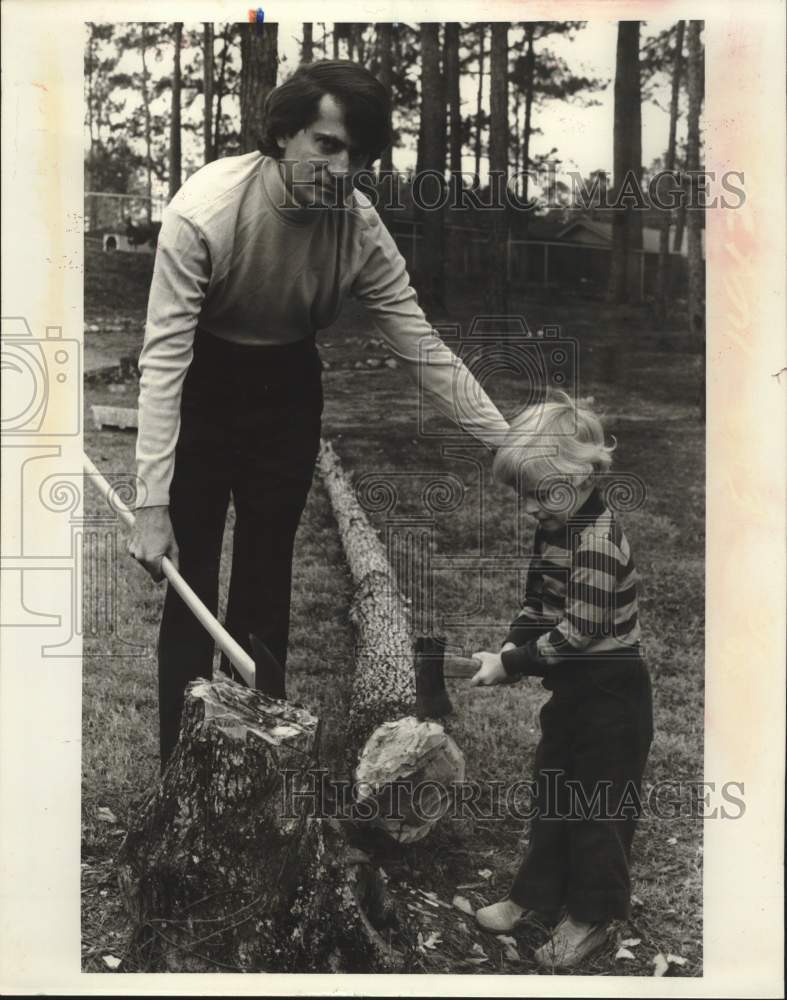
556,438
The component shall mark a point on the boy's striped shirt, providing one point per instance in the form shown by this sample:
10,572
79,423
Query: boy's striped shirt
582,582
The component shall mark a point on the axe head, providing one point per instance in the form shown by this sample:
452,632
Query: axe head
431,697
268,671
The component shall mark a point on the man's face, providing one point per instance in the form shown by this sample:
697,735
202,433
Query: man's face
322,161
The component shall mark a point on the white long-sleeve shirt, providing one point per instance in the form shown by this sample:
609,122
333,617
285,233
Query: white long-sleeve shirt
234,261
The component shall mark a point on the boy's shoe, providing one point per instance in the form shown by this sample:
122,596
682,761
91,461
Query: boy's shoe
499,918
571,943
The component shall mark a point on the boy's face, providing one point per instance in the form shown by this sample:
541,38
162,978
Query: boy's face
323,162
549,505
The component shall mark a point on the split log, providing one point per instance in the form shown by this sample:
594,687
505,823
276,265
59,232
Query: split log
227,869
386,745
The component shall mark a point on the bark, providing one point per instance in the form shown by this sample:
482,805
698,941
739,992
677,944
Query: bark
174,131
307,46
384,37
479,101
669,165
451,62
385,743
530,75
223,871
497,278
384,685
626,222
696,308
220,90
259,66
92,202
431,157
148,125
207,75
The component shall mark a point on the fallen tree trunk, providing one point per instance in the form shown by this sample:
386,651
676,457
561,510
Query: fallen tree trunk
383,687
406,767
230,866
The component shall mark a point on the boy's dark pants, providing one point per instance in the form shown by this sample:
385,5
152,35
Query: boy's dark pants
250,427
596,730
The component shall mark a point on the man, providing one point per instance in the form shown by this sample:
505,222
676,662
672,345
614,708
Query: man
256,253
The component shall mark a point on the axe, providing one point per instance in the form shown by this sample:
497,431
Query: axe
432,666
271,676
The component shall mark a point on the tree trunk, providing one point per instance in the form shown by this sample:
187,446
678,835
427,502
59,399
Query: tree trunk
451,62
148,126
669,165
220,90
530,75
626,222
174,131
228,867
384,36
431,271
208,92
92,202
696,265
497,280
307,46
385,743
479,102
259,66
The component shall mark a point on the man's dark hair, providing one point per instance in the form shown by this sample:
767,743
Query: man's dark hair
294,105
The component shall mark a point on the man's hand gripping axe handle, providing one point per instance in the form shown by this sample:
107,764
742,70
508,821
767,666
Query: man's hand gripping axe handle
238,656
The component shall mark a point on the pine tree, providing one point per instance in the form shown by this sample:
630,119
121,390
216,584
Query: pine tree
431,156
207,88
627,221
174,134
696,305
259,68
497,284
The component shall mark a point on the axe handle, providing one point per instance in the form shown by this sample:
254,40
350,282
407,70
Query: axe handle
460,666
238,656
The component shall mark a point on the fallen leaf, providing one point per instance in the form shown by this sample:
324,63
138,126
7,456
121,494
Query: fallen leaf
485,873
623,953
433,940
631,942
105,815
463,904
636,901
672,841
478,950
660,965
676,960
506,939
111,962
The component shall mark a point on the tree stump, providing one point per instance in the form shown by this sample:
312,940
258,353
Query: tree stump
222,871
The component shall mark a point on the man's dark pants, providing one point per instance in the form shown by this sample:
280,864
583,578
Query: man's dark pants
250,427
596,730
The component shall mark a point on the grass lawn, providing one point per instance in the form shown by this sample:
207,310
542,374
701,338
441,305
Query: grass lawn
645,382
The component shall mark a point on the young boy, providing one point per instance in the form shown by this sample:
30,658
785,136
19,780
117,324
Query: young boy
579,631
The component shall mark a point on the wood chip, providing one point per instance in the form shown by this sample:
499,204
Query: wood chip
460,903
660,965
